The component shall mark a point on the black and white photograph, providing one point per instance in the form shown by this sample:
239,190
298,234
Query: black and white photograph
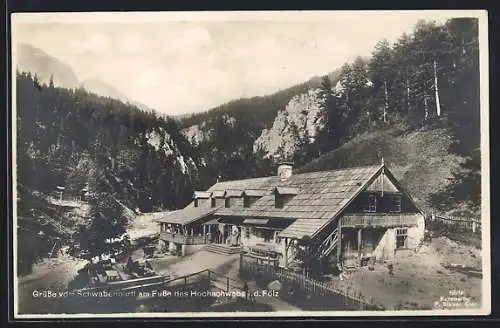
250,164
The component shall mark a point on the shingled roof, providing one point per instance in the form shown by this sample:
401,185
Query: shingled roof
321,195
187,215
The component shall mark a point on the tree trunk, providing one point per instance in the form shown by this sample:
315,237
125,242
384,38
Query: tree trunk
436,90
426,115
408,94
386,105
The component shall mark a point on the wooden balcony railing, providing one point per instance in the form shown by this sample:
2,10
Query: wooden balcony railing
183,239
379,220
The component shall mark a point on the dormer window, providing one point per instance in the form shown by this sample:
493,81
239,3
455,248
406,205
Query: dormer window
250,196
200,197
231,193
279,201
217,197
246,201
283,194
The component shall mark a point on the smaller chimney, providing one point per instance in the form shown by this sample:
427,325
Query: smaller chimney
285,170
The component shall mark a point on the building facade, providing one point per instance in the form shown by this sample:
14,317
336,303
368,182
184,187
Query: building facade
347,216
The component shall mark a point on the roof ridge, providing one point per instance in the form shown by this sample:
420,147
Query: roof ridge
246,179
343,169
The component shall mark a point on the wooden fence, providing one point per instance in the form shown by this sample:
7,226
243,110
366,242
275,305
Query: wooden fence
345,297
473,225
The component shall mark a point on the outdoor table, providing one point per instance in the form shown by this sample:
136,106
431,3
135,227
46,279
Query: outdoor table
112,274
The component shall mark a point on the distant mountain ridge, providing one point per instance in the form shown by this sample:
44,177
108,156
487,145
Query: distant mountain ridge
35,61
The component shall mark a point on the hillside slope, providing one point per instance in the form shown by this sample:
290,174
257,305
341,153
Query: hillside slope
95,85
420,159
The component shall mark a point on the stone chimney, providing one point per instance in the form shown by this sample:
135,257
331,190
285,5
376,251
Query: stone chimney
285,170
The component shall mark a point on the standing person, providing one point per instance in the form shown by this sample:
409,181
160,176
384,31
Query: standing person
245,289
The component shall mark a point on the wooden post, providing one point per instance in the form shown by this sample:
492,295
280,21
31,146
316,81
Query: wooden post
339,241
359,245
204,234
473,226
286,252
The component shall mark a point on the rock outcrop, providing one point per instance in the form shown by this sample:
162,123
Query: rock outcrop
300,121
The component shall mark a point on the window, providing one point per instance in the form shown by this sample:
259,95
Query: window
371,204
279,201
214,202
196,202
227,202
401,238
395,203
246,201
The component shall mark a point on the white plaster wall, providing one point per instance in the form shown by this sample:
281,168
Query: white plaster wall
416,234
386,248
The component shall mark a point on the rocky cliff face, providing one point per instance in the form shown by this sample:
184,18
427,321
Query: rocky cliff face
299,121
161,141
197,134
204,132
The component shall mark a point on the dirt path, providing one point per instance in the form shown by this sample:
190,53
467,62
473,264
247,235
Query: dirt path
201,260
52,275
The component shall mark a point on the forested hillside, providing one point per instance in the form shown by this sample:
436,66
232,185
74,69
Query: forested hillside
75,139
415,103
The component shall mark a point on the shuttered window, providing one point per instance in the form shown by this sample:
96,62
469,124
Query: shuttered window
370,205
401,238
395,203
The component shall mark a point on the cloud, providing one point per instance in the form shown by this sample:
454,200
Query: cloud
94,43
189,41
131,43
149,78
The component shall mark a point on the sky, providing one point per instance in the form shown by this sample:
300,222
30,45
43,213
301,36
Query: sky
180,63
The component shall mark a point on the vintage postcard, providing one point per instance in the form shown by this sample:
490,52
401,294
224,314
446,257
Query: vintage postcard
244,164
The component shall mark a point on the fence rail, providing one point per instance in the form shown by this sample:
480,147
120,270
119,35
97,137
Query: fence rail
468,224
311,286
378,220
183,239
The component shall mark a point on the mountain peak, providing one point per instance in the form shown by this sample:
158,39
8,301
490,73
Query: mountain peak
33,60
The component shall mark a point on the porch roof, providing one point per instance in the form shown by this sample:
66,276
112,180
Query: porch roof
213,221
187,215
303,227
256,221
